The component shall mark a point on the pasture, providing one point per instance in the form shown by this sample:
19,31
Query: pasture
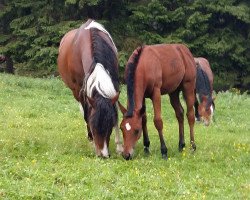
45,154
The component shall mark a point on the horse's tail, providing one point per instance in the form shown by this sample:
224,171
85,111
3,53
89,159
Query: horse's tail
129,78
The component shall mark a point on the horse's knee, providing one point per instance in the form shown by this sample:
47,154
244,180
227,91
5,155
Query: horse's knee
158,123
191,117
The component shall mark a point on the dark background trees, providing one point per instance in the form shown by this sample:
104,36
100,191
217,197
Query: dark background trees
30,31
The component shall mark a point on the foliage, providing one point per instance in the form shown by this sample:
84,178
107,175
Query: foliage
30,31
45,153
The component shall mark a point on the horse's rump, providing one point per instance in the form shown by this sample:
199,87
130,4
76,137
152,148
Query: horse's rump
166,65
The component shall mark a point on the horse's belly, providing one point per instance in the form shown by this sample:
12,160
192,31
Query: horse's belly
171,82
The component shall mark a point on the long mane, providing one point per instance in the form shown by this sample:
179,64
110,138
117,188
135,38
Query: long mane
105,116
203,86
130,74
104,54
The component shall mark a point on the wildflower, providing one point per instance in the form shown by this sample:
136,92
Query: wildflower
33,161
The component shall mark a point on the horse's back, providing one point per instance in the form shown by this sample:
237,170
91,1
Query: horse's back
168,65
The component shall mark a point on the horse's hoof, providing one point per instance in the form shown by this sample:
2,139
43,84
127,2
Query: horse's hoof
181,147
165,156
193,146
146,150
90,139
197,119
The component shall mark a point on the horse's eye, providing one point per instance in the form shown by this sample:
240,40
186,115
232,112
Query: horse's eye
136,132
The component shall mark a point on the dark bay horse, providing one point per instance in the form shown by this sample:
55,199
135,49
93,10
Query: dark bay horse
153,71
204,102
88,65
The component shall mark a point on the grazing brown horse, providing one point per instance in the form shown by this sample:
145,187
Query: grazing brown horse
204,102
88,64
153,71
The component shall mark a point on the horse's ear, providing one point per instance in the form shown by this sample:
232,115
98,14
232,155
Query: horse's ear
115,98
123,110
91,101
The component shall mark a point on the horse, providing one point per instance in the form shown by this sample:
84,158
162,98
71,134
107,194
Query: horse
88,65
204,102
152,71
8,68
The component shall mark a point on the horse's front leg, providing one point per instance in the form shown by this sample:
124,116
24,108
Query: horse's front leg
190,99
118,142
146,141
196,105
156,99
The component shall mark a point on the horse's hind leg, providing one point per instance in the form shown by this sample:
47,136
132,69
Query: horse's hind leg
196,105
146,141
176,104
156,99
188,92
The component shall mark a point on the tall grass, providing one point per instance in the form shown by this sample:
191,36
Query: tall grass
45,154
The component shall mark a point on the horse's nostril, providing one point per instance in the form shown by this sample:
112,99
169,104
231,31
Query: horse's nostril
127,156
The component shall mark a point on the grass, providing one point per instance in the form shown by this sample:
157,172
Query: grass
45,154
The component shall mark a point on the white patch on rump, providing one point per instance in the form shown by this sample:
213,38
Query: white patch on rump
128,127
100,80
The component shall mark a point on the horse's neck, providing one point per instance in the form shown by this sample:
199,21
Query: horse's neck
139,90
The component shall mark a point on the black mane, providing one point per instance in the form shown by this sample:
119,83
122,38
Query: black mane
104,54
131,67
203,86
105,116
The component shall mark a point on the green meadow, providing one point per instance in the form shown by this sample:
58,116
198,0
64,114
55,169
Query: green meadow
45,153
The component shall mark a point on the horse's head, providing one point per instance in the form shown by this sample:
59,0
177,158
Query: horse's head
206,110
102,117
131,127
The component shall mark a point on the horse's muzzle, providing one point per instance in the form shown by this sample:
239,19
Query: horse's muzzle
127,156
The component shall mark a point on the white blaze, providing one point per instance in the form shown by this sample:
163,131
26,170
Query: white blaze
128,127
